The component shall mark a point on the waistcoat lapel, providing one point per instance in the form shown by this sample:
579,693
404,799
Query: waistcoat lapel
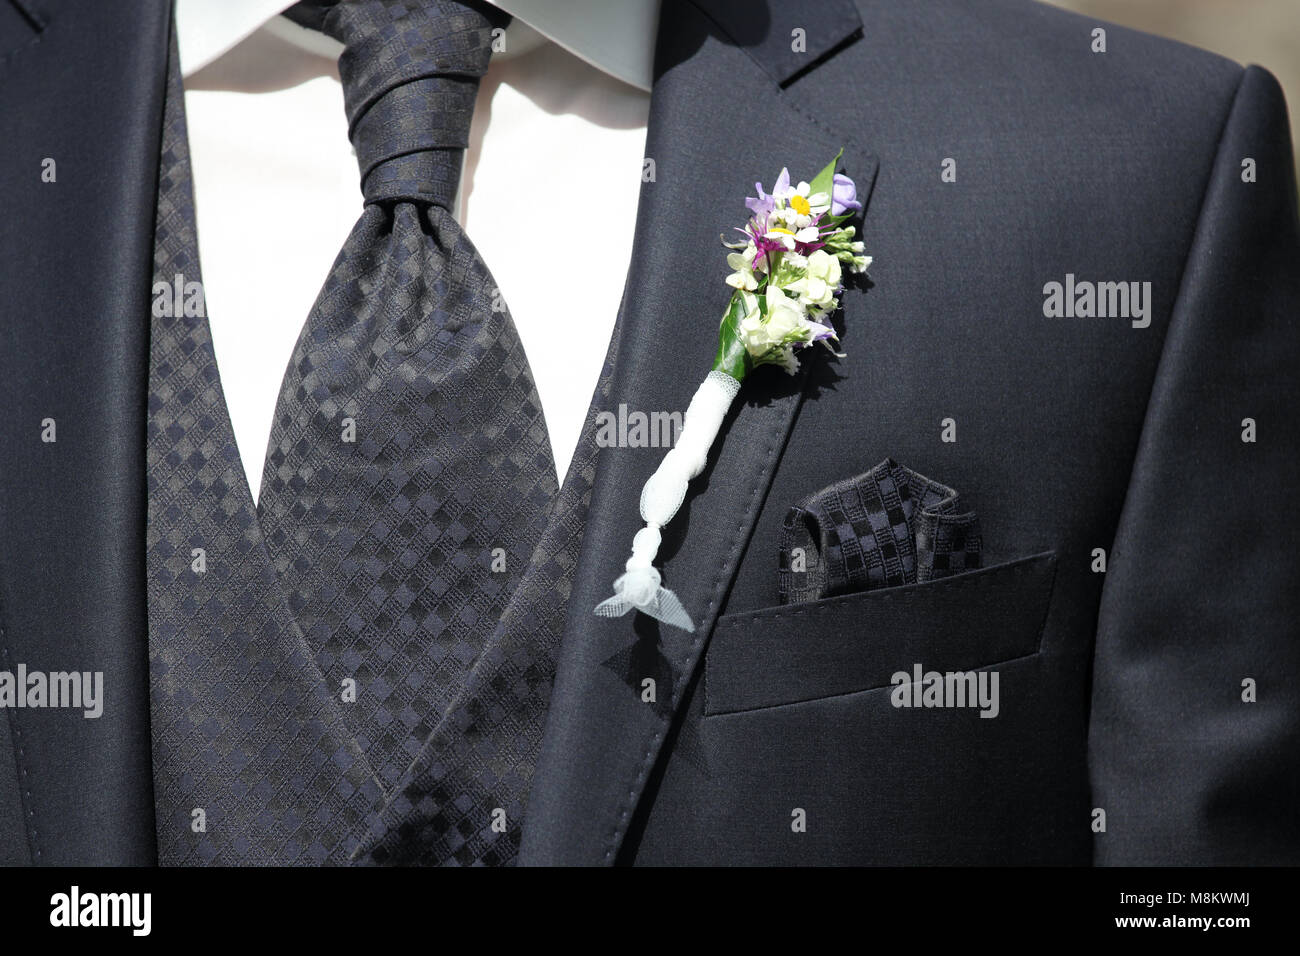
252,760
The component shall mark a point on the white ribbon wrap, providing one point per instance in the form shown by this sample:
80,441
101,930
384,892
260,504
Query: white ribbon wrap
663,493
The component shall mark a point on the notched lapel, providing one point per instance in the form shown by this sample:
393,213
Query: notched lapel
20,27
718,123
785,39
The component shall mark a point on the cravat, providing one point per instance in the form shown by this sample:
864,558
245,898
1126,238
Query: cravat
411,552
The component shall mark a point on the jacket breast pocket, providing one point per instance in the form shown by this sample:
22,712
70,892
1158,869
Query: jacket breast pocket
857,642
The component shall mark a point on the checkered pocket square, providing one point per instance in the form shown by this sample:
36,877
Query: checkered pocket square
887,527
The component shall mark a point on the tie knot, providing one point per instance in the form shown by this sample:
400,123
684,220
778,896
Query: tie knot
410,72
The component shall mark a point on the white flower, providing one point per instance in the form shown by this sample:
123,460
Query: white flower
771,337
822,265
859,263
788,237
783,236
743,265
802,200
816,287
813,293
792,218
784,316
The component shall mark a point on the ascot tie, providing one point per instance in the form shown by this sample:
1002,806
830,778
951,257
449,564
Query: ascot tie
362,671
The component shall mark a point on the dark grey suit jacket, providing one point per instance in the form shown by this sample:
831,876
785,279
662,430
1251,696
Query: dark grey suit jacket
1120,691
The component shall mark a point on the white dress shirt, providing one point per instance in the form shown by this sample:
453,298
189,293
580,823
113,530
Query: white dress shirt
549,190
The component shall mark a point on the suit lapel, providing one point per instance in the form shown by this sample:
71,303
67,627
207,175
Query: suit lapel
75,263
718,122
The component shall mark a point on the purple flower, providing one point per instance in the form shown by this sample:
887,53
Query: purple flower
844,195
782,183
763,245
763,205
822,333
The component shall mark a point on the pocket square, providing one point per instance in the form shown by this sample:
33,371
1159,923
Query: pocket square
885,528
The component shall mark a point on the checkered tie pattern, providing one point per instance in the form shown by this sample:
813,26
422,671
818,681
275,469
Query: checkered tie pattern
361,674
882,529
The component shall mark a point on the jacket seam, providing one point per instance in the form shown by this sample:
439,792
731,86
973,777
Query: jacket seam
24,776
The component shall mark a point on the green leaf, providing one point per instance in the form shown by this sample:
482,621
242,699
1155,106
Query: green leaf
732,358
823,181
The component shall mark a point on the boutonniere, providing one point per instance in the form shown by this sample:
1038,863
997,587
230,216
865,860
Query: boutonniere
786,278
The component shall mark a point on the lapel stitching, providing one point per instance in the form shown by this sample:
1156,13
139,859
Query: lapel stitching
778,430
721,580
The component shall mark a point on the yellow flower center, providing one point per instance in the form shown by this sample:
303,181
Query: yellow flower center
779,229
800,205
